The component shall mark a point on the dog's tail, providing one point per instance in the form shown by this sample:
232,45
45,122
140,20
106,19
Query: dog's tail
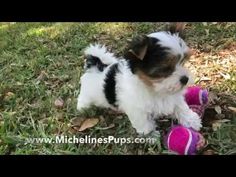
98,56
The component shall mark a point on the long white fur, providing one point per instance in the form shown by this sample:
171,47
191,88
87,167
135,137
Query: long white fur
101,52
177,45
141,103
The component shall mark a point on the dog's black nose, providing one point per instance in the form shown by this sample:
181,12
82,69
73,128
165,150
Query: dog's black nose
184,80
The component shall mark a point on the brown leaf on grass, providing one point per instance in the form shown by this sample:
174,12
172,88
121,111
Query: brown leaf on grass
218,123
207,32
19,83
232,108
42,76
120,117
216,126
73,130
212,97
224,120
218,109
59,103
106,128
208,152
205,79
77,121
88,123
9,94
225,76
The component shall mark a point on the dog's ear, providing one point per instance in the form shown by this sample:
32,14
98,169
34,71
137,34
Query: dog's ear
137,48
176,27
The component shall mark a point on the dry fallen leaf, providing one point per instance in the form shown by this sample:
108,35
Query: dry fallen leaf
76,122
106,128
212,97
88,123
205,79
19,83
224,120
232,108
216,126
42,76
225,76
208,152
207,32
59,103
73,130
12,113
9,94
218,109
120,117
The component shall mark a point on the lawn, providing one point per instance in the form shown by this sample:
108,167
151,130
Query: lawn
41,63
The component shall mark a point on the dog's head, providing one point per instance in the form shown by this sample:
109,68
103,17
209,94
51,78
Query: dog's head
158,59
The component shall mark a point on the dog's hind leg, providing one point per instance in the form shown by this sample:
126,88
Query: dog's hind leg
83,103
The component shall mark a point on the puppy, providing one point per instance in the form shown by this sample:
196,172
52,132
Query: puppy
148,82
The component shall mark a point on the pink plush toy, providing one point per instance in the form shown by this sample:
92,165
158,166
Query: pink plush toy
197,99
186,141
195,95
183,141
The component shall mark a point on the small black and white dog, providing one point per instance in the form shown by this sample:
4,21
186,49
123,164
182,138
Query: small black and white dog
147,83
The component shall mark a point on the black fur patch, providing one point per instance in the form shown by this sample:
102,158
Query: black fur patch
155,63
110,84
94,61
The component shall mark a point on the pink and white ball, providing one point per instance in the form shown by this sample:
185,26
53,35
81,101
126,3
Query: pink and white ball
197,99
195,95
182,140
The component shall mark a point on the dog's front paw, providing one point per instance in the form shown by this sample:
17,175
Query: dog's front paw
146,128
193,120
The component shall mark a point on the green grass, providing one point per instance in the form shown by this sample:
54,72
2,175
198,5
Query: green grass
40,62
